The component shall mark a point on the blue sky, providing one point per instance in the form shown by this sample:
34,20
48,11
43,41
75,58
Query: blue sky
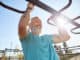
9,21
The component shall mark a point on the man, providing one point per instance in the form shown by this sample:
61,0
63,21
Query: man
37,47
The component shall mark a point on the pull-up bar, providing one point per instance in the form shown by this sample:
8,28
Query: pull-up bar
39,4
11,8
55,13
50,10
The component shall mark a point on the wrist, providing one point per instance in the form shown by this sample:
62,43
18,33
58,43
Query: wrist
28,9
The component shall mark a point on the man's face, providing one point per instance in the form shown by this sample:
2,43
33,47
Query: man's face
36,26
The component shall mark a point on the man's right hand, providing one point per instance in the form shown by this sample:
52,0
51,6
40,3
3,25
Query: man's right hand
30,6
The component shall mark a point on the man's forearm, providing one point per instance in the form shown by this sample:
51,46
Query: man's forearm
63,34
25,18
24,22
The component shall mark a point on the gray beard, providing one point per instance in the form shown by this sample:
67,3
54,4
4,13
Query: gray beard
35,30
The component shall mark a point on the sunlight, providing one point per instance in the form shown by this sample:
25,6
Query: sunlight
61,21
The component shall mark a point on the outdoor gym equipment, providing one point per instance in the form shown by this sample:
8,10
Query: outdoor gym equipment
50,10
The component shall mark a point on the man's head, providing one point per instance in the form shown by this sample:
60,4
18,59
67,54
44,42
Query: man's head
35,25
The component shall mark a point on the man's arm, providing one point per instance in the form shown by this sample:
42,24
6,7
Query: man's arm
24,22
62,36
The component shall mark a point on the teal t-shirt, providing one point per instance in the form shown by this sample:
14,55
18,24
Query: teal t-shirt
38,47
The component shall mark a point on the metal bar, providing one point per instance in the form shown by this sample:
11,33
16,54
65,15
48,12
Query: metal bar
54,12
11,8
44,6
67,6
